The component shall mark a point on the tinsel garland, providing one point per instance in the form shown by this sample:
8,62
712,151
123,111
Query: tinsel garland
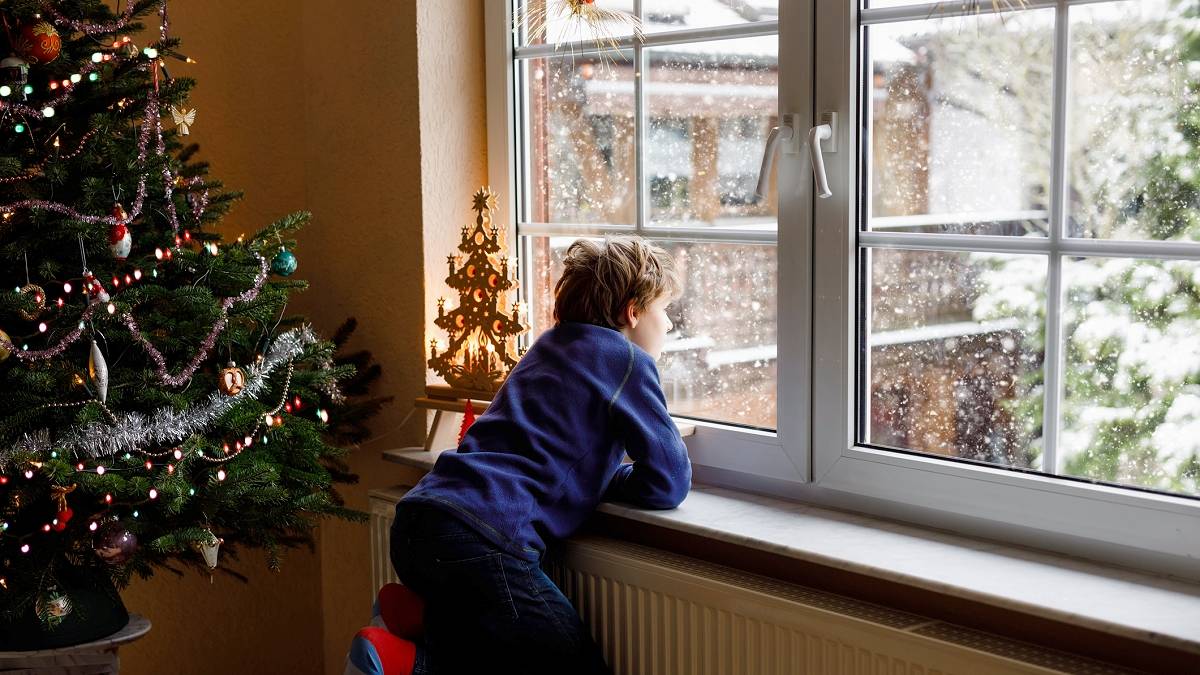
88,28
167,426
160,363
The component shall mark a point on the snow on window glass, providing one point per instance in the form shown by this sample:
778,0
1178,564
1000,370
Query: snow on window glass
1131,408
1134,121
579,124
950,369
960,117
665,15
710,108
719,360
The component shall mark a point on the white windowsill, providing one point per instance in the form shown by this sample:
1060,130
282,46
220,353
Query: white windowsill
1142,607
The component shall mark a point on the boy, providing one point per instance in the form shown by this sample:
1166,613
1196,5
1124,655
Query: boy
469,537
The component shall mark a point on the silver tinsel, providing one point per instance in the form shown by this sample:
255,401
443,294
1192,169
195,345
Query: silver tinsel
166,426
36,443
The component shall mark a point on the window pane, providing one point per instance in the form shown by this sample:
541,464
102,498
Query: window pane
579,130
960,116
1131,411
561,26
1133,120
710,108
664,15
719,360
954,354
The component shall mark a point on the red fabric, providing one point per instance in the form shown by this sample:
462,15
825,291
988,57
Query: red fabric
397,655
468,420
403,611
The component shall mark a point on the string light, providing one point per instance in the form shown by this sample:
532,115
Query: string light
220,474
108,499
24,548
153,493
5,90
99,469
92,526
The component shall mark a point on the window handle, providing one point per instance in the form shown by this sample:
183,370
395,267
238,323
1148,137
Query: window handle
785,135
821,132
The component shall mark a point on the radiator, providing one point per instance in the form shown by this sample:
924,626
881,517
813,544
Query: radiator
656,613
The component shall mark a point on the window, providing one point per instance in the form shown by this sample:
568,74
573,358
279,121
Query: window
663,137
990,324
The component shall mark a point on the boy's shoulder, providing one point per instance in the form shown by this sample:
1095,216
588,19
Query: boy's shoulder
584,343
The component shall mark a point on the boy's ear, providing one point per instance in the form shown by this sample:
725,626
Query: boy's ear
630,315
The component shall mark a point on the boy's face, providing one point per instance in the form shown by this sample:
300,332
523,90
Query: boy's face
648,328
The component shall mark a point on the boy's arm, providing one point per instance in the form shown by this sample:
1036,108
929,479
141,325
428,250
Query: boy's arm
661,473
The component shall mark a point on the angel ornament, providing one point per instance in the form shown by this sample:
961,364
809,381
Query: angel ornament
184,119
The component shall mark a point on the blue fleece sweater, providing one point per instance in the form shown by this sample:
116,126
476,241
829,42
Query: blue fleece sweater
549,447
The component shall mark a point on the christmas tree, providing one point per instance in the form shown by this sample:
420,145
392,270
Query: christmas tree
479,354
158,409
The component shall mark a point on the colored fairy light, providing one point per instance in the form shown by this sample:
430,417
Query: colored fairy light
220,474
28,89
24,548
135,514
76,78
191,492
20,128
153,493
92,77
108,499
92,526
97,57
178,453
170,468
158,253
48,111
100,470
5,90
137,275
112,309
149,465
150,52
46,527
42,327
67,287
29,473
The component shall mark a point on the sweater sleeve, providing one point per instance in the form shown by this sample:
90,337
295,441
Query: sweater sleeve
661,473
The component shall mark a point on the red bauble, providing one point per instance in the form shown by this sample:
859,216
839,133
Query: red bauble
64,517
39,43
120,241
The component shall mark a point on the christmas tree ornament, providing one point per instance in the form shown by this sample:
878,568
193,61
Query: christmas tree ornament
232,380
4,340
284,263
14,71
52,607
59,493
98,372
577,18
478,356
184,119
120,240
93,287
114,544
38,43
39,301
208,546
467,421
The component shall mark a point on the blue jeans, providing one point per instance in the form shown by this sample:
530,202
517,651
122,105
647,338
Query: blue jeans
486,610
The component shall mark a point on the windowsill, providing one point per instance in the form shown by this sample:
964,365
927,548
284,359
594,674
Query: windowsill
1144,608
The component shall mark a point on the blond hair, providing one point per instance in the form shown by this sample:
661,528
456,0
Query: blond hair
600,278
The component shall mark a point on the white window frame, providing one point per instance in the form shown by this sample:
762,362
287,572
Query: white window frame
720,453
1145,530
818,256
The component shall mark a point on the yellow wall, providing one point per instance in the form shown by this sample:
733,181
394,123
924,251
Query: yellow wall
314,105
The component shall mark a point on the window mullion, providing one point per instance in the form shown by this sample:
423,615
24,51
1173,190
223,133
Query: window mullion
1055,351
639,124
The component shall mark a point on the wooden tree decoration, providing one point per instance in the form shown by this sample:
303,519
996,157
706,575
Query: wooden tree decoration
479,354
